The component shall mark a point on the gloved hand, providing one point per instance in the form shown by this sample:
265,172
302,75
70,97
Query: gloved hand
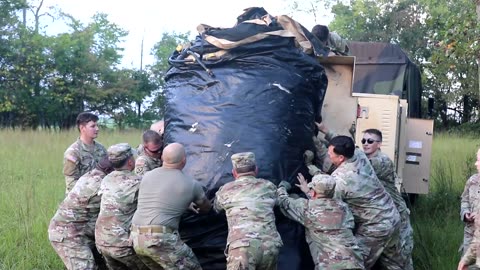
285,184
308,157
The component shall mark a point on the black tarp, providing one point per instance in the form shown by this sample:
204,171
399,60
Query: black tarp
383,68
260,97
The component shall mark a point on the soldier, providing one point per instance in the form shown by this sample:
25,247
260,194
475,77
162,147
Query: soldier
150,158
72,229
253,240
470,205
383,167
330,39
82,155
471,257
119,191
165,194
158,127
328,223
377,221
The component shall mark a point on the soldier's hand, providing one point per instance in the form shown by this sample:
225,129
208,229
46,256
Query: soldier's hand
285,185
321,126
308,157
469,217
462,266
194,208
303,185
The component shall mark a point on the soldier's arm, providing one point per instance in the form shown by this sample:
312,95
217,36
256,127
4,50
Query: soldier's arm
140,166
200,199
340,191
292,208
70,169
217,203
308,158
324,129
465,207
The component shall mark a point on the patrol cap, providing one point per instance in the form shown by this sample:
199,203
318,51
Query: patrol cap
105,165
322,184
119,152
243,160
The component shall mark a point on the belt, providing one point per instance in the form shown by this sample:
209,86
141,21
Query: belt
152,229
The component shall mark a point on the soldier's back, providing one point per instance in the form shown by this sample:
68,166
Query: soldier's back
329,225
248,203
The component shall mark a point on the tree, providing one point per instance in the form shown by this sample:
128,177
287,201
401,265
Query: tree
440,36
162,51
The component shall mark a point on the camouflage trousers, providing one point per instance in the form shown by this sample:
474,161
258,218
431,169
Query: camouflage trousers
384,247
78,253
162,250
336,257
251,254
406,239
467,236
121,258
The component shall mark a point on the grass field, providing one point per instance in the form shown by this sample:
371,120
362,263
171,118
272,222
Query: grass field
32,186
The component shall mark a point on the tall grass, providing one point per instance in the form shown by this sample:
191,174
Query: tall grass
438,231
32,186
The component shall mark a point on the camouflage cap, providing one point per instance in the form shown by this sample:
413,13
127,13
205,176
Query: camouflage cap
322,184
119,152
243,160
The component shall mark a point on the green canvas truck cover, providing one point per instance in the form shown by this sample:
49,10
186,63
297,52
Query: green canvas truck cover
383,68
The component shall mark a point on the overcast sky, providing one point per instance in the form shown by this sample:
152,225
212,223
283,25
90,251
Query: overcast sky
150,18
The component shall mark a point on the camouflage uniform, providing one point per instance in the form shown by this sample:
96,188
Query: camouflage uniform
71,230
383,167
469,204
328,223
80,158
253,240
322,159
377,221
471,255
337,44
119,191
145,163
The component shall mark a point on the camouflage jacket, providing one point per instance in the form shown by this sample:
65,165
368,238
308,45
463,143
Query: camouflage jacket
79,159
119,191
329,224
383,167
322,160
338,44
470,196
358,186
145,163
248,203
77,214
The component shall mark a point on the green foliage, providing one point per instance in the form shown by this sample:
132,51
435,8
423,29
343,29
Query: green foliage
440,36
45,81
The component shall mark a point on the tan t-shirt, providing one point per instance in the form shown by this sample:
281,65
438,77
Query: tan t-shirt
163,197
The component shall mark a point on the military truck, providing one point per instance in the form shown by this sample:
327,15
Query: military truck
379,87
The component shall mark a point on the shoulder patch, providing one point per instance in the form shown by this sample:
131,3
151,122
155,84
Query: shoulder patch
71,158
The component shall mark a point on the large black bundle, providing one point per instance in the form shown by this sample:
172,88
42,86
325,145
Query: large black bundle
261,97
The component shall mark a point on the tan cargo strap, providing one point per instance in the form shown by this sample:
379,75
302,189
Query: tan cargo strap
152,229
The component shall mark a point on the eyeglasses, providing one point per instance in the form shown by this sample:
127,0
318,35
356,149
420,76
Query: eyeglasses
369,141
156,151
